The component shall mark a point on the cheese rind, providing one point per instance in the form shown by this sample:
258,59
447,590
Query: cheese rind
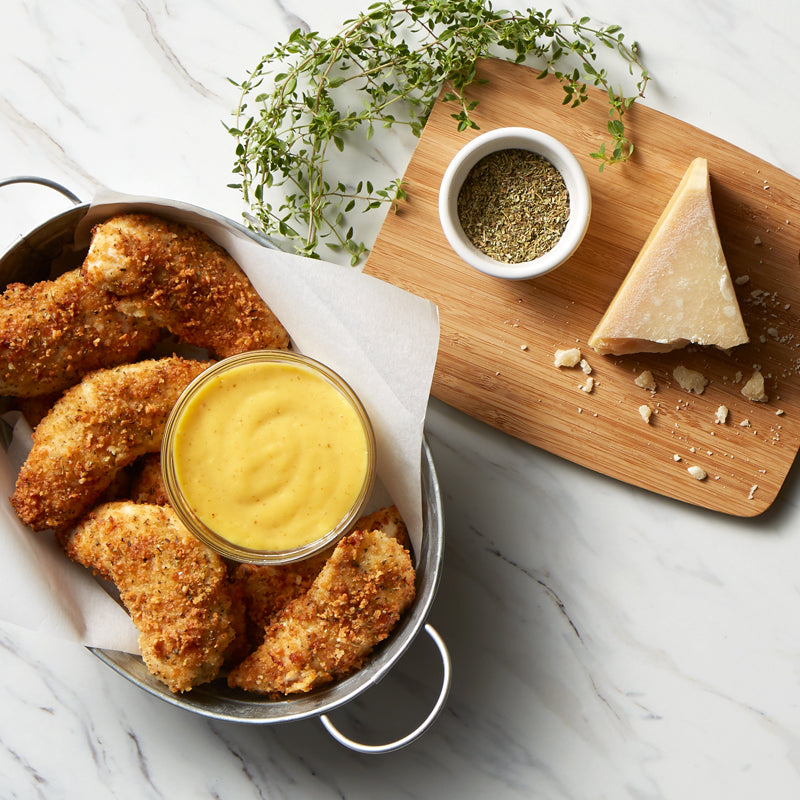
679,289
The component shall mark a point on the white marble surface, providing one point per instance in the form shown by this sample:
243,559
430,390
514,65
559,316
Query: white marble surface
606,642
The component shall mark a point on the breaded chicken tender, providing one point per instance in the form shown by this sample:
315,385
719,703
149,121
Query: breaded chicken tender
388,521
35,409
241,646
53,332
327,633
266,588
147,483
96,429
175,588
178,277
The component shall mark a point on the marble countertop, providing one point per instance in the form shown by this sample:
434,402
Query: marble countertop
606,642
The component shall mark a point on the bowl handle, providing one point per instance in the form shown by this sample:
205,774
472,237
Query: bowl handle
44,182
417,732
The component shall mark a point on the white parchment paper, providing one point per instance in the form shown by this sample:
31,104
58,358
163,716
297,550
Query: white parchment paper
382,340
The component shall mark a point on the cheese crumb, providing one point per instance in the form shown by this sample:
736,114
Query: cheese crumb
676,457
721,416
646,381
753,490
586,367
690,380
646,412
754,388
567,358
588,387
697,472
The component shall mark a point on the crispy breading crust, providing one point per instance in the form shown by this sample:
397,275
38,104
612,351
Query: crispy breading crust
147,483
35,409
97,427
265,588
177,276
327,633
54,332
175,588
387,520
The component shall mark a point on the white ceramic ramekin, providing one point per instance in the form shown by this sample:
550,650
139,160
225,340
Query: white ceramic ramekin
580,202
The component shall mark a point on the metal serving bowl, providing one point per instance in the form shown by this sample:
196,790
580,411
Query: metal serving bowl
33,258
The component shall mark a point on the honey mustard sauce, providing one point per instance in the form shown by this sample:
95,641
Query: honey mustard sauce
270,456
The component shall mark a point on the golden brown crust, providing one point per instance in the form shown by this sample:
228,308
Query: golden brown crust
147,483
96,429
265,589
178,277
35,409
175,588
387,520
54,332
327,633
241,646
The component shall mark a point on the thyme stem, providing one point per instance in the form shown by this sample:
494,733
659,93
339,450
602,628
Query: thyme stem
394,58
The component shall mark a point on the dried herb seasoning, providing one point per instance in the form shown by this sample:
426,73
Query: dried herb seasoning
313,96
513,205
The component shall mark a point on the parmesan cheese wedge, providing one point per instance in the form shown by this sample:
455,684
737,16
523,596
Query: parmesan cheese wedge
679,289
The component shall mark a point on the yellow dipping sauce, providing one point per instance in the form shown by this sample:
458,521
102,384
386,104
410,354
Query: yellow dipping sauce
270,455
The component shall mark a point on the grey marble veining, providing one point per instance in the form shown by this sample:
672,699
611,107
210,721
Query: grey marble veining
606,642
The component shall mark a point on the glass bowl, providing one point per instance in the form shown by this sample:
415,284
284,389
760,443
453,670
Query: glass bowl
226,381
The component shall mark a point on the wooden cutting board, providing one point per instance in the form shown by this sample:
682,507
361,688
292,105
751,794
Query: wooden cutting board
498,338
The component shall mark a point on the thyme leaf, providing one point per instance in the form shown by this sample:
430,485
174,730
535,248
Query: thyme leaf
382,69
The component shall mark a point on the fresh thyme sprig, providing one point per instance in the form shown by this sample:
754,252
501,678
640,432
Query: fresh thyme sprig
384,68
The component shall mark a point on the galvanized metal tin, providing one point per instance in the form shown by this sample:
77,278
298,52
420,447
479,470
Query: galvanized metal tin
49,249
